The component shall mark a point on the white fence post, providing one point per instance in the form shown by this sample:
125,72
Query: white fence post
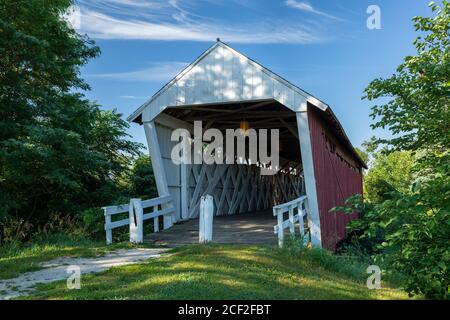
300,219
107,228
291,220
155,220
167,221
206,219
136,221
280,228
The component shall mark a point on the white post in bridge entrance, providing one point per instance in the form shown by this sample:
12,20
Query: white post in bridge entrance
158,167
206,219
310,181
136,214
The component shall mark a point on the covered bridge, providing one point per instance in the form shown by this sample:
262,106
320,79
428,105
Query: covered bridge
225,89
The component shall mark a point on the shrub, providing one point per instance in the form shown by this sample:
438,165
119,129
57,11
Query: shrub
92,222
410,233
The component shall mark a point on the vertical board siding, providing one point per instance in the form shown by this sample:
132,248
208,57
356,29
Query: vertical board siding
335,181
173,171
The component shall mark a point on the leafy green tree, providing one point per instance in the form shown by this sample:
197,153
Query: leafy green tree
388,172
363,154
141,179
59,152
409,225
418,112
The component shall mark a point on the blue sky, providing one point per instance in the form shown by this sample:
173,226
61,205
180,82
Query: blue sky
323,46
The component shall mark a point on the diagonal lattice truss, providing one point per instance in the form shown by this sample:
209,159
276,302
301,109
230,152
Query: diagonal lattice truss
239,188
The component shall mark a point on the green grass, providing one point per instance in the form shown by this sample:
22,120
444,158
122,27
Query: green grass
228,272
16,259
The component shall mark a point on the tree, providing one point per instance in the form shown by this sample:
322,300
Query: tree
418,111
388,172
363,154
59,153
142,180
410,225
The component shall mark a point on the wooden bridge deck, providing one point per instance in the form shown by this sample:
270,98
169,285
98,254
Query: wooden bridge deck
248,228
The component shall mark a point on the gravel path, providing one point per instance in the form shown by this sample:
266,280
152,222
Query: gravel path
56,269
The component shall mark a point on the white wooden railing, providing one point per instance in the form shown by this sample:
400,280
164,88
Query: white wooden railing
136,216
300,205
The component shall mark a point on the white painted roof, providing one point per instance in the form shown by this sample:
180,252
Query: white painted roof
221,75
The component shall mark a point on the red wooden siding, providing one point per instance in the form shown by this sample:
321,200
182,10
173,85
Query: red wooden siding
338,176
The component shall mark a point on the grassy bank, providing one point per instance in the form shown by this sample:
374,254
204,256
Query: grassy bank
18,258
228,272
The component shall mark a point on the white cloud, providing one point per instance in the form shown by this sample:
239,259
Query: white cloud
158,72
175,20
304,6
134,97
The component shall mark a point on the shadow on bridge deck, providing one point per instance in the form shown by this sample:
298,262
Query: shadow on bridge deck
247,228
